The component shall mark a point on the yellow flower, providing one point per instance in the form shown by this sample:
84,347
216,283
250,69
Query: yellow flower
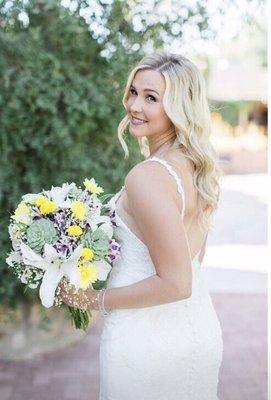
88,274
78,209
75,230
40,200
47,207
87,254
92,186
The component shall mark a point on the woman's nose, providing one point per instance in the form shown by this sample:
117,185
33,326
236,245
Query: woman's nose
136,105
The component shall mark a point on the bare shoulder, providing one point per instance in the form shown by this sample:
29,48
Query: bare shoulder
150,191
149,176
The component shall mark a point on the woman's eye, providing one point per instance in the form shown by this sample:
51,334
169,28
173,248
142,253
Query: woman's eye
152,97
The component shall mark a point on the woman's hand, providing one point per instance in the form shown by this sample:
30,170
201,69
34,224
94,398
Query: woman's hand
78,298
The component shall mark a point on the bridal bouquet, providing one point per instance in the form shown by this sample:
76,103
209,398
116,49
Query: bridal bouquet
61,234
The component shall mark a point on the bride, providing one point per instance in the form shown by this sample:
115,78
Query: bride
162,339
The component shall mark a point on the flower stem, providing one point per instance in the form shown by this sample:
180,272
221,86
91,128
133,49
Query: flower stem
80,318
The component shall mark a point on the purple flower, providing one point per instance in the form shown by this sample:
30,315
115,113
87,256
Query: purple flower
65,245
61,220
112,216
114,250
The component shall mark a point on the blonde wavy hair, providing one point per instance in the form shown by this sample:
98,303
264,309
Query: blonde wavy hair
186,105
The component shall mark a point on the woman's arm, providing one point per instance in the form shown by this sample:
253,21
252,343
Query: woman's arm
148,292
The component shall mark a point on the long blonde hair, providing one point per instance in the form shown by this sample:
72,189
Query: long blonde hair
186,105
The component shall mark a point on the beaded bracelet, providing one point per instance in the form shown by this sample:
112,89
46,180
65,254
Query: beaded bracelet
103,309
101,304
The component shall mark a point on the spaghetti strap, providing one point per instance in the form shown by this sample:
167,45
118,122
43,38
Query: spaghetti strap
175,176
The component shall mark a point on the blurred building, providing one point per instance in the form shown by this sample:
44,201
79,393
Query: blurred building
240,82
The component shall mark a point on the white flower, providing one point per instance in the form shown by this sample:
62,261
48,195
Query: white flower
103,269
25,275
33,285
15,236
22,214
14,256
55,268
30,198
58,195
96,204
106,224
13,232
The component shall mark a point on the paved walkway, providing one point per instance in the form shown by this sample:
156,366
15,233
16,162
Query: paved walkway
73,373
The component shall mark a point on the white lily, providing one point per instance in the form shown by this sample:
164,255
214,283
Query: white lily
58,195
103,269
106,225
55,268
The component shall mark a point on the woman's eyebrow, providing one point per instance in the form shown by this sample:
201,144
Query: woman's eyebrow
146,90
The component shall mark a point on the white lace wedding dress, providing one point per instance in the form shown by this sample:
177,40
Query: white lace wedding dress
171,351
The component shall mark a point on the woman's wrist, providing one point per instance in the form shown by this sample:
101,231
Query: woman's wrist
97,301
105,310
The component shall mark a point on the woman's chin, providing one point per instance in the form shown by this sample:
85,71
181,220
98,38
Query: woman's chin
137,132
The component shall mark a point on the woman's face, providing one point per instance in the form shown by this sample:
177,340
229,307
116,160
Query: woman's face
145,102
